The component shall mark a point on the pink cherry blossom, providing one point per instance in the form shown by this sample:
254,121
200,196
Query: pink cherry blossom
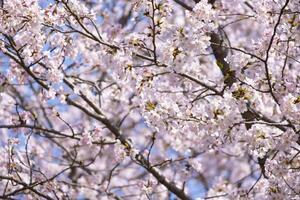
151,99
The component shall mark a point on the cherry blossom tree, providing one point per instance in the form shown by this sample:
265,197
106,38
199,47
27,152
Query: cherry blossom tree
149,99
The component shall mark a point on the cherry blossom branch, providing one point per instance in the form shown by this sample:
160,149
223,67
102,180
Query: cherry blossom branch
25,187
200,83
90,34
139,157
268,51
115,131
